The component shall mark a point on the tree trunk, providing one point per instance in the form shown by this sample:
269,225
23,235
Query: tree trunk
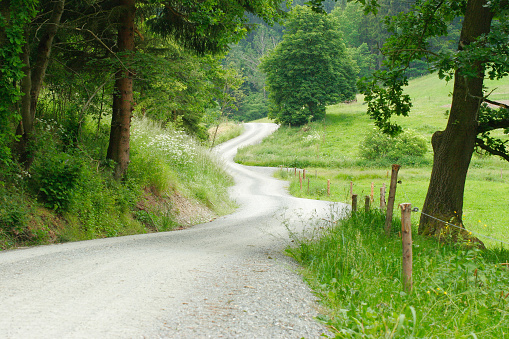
118,148
25,126
454,146
43,54
32,83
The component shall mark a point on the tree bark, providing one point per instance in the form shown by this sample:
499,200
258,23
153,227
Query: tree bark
454,146
118,148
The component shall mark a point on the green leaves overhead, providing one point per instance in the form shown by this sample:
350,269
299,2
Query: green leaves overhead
309,69
210,25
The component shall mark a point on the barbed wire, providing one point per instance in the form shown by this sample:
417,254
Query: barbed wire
415,209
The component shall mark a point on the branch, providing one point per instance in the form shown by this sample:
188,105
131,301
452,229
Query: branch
499,104
480,143
105,46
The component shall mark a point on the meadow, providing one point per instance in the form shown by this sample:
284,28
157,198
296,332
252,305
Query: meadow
459,291
330,149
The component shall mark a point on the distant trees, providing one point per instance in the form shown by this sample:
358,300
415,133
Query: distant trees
309,69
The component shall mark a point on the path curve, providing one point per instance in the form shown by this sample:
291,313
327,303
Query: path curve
227,278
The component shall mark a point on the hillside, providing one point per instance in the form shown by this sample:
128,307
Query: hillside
173,182
331,150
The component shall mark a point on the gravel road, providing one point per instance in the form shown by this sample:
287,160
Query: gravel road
223,279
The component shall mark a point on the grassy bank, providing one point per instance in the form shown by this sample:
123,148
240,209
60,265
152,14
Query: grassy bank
356,270
69,194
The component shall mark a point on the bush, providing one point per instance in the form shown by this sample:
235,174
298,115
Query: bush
55,176
407,145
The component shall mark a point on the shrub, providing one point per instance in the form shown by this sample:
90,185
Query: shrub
407,145
55,175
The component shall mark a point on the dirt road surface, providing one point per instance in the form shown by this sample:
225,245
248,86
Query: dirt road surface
223,279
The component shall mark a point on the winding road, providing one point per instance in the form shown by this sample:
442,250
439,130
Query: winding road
223,279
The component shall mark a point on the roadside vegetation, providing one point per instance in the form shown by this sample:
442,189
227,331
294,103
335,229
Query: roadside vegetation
459,291
173,181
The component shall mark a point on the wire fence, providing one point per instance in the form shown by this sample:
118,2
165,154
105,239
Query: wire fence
461,228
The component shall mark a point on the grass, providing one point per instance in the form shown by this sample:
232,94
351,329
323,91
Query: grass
330,150
356,270
69,193
224,132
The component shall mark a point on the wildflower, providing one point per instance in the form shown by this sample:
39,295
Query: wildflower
428,292
445,292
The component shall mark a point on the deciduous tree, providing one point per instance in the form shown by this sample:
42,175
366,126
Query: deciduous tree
483,50
309,69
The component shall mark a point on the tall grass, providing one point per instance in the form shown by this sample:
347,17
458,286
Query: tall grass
171,160
69,193
459,292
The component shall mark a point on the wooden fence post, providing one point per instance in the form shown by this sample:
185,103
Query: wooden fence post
308,185
383,205
300,181
392,197
372,196
328,187
295,171
304,174
406,238
367,201
354,203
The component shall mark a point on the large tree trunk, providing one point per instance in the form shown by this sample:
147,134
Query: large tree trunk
118,148
454,146
32,83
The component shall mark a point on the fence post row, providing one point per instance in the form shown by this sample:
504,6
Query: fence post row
406,239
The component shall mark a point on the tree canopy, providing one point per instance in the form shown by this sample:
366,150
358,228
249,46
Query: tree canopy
309,69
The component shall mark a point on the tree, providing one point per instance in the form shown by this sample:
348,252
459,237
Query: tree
202,26
32,82
482,52
309,69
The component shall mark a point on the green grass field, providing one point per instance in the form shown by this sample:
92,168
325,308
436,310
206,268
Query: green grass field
330,150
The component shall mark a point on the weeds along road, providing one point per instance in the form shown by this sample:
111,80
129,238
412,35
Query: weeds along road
227,278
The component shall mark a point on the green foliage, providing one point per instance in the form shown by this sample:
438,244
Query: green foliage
356,270
166,159
13,21
423,35
309,69
54,178
13,215
378,145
